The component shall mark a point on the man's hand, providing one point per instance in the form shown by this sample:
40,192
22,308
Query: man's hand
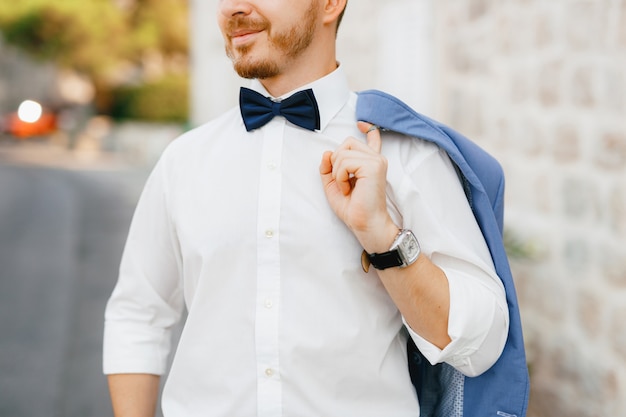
355,179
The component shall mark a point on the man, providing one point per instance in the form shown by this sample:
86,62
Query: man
257,227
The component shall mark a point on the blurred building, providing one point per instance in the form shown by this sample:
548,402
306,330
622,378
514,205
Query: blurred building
21,77
541,84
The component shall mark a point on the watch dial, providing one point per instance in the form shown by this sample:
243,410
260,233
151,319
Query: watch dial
410,246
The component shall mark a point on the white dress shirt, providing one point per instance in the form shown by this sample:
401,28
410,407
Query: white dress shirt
282,320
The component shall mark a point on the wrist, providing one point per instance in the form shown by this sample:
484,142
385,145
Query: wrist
379,239
404,251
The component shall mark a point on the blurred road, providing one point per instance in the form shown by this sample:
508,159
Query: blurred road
63,221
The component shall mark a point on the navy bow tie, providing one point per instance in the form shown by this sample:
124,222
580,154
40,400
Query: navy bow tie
300,109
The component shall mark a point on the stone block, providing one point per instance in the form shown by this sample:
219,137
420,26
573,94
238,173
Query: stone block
613,263
519,85
567,382
610,152
616,210
543,293
580,198
566,145
533,140
576,257
549,77
618,331
589,311
543,195
583,26
465,112
458,57
612,88
544,30
503,42
478,8
582,88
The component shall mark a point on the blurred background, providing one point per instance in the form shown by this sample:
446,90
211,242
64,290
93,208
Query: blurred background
91,93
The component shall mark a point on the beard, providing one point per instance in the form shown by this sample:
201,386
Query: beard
287,44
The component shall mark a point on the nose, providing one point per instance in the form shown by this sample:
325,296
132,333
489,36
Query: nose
230,8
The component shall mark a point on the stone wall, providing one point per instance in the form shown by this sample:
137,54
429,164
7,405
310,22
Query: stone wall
542,85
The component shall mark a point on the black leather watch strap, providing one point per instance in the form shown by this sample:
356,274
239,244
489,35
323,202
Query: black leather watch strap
385,260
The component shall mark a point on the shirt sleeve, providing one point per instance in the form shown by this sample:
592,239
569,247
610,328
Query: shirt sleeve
434,206
147,300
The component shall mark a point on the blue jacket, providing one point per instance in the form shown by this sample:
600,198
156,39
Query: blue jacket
502,391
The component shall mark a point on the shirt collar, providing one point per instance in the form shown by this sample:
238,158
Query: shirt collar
331,92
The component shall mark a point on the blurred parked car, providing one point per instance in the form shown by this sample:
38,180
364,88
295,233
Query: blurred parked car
30,120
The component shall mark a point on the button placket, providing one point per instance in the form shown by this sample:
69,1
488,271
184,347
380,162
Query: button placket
269,392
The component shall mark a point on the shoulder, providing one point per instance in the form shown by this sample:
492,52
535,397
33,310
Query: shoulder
408,154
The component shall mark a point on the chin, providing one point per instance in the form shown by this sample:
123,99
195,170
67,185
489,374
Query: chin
260,69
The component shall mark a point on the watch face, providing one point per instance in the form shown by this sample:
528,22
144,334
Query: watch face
409,247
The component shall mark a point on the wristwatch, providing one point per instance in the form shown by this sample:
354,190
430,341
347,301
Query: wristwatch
404,251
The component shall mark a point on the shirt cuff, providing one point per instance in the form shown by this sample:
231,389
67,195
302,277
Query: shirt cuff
132,348
477,326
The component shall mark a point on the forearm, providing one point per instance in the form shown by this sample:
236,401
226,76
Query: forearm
134,395
421,293
456,307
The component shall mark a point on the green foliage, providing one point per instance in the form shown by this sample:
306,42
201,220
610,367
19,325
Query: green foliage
160,24
520,248
102,39
86,36
164,100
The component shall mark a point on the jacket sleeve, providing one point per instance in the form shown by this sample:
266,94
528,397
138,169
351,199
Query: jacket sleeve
147,300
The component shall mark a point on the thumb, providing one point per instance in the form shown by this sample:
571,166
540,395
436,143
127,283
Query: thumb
372,133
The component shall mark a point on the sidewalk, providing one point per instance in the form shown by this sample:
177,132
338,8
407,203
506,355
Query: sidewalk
124,146
47,154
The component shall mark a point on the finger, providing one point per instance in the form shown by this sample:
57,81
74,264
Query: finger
326,166
355,162
353,148
351,144
326,169
343,179
372,133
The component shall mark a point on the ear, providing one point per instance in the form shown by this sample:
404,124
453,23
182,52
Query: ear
332,10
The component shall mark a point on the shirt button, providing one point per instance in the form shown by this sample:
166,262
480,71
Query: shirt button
269,233
272,165
269,372
269,303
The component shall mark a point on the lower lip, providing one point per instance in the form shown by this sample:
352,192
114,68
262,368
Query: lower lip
240,40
